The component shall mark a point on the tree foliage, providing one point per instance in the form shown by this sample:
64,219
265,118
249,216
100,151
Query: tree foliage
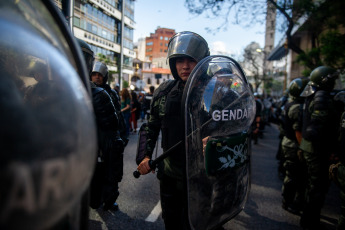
324,20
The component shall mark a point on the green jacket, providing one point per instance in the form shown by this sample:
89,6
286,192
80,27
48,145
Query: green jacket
294,114
171,166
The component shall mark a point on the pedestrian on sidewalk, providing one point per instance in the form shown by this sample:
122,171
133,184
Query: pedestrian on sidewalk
135,112
126,108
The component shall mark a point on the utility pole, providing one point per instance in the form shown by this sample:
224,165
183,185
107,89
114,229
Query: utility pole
285,74
67,10
122,37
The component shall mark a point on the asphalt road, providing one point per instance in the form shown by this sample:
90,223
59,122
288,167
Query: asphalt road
140,207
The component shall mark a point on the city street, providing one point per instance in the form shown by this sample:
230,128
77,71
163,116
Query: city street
140,208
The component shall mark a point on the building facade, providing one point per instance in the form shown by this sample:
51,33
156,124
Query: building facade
151,58
157,43
107,26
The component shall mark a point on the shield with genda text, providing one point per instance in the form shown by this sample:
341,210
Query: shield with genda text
219,109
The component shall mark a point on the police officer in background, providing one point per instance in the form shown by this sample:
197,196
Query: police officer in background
318,141
337,170
257,121
185,50
109,167
292,190
101,79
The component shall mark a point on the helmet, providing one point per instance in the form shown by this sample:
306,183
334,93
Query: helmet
189,44
88,54
297,86
47,152
323,77
101,68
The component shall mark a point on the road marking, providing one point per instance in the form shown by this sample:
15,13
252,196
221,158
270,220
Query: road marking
157,210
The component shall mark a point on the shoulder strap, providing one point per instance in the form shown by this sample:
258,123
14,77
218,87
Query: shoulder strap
163,89
97,90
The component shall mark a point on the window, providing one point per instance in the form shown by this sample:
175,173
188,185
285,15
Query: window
149,81
161,37
166,39
149,43
76,21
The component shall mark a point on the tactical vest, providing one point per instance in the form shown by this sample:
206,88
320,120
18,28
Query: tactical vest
172,123
288,122
324,136
105,111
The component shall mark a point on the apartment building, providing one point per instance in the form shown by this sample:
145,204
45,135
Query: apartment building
152,54
107,26
157,43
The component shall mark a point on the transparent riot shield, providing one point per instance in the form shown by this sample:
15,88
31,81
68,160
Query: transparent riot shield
48,131
219,109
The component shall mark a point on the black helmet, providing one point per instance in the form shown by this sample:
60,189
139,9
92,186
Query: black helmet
101,68
186,44
88,54
297,86
47,152
323,77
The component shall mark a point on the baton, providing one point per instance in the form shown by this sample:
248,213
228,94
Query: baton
153,163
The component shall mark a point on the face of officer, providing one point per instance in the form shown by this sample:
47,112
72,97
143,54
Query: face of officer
184,66
97,78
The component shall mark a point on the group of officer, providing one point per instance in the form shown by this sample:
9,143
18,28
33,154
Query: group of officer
313,140
110,132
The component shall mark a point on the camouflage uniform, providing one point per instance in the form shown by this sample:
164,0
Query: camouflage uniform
337,173
293,189
319,141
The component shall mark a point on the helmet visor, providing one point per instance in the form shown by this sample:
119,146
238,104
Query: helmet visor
188,43
100,68
308,90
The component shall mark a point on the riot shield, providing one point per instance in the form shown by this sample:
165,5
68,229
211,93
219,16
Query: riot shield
219,109
48,131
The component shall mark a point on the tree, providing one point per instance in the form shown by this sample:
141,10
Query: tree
325,18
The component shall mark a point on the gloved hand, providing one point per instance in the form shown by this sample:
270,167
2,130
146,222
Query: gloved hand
332,171
144,167
300,155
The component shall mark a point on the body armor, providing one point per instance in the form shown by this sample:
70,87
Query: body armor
173,129
288,123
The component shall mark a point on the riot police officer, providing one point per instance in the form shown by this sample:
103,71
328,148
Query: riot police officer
318,141
337,170
185,50
109,167
48,140
292,190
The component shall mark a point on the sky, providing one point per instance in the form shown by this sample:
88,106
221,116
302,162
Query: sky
172,14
